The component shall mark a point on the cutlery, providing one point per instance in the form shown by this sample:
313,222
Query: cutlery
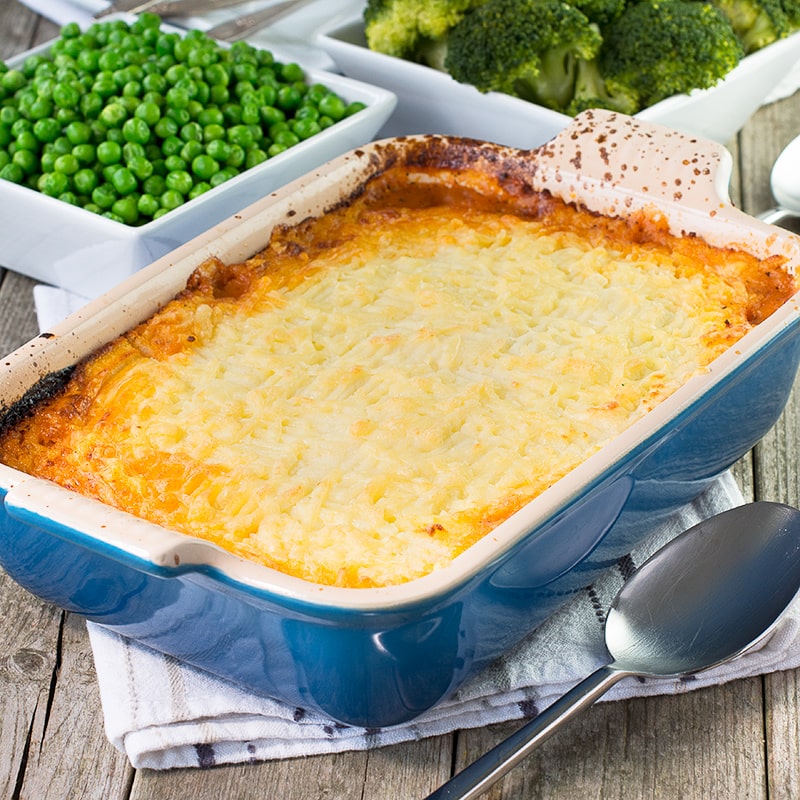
709,595
240,27
785,185
168,8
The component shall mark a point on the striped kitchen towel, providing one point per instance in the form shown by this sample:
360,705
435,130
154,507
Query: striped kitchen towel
164,714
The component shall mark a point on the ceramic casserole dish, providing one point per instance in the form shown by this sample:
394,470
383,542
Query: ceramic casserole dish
380,656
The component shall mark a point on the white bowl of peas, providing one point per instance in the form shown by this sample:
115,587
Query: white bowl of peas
124,140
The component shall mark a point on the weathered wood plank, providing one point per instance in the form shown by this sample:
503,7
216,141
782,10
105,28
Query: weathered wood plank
70,757
688,747
776,457
323,777
407,770
28,644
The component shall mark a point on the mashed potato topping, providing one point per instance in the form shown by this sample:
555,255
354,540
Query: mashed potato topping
378,390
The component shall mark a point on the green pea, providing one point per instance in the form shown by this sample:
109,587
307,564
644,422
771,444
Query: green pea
232,113
26,140
199,188
132,150
218,149
52,183
174,163
204,166
332,106
192,131
292,73
9,115
219,95
147,205
85,181
109,153
154,185
166,127
149,112
126,209
108,171
216,75
180,115
67,164
306,128
213,131
179,181
136,130
69,197
140,167
171,199
255,156
191,150
41,108
66,95
114,115
289,98
46,130
85,153
91,104
236,157
271,115
178,97
12,172
354,108
124,181
240,135
225,174
12,80
286,137
132,89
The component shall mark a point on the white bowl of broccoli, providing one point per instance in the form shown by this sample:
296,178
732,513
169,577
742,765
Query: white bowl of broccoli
516,71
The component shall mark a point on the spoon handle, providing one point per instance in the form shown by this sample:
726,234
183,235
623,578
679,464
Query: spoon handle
490,767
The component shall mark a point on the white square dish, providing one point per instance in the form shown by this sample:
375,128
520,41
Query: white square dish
430,101
75,249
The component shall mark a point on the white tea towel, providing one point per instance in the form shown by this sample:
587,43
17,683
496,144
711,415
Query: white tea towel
165,714
54,305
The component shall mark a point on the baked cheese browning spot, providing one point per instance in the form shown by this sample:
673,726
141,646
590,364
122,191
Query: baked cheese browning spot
385,385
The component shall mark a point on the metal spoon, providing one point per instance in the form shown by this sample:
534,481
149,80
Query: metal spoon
712,593
784,182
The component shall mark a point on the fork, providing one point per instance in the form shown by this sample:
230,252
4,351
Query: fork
227,31
242,26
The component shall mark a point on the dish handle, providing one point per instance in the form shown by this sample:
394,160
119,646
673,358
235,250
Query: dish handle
615,164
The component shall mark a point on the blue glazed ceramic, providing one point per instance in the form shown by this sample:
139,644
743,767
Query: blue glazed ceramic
378,657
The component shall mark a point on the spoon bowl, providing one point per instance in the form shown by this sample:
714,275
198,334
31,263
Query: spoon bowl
785,186
712,593
785,177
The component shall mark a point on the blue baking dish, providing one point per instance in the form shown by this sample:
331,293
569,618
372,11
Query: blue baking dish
378,657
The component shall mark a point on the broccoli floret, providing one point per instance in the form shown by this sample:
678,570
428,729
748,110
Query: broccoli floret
791,8
591,91
757,23
413,29
600,11
527,48
658,48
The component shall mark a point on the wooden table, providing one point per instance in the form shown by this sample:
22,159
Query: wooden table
736,741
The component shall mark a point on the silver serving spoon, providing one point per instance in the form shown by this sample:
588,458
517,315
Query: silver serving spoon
710,594
784,182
